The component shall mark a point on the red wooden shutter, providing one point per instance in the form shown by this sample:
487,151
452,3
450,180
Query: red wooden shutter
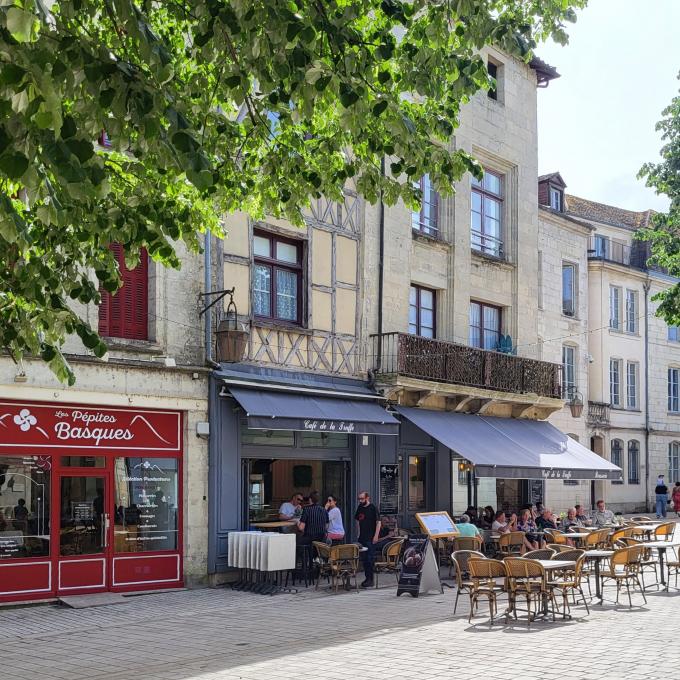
125,314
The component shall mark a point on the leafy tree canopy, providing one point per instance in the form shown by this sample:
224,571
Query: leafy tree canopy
664,231
212,106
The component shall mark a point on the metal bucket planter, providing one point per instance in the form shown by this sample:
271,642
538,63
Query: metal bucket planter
230,340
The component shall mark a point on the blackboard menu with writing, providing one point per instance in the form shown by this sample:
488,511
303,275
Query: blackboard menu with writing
389,489
536,491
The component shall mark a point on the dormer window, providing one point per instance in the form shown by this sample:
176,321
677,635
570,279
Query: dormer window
556,199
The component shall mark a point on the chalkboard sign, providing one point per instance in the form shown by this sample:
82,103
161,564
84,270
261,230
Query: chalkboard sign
535,491
437,524
389,489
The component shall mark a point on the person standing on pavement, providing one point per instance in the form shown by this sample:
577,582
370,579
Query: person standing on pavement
368,523
676,498
661,491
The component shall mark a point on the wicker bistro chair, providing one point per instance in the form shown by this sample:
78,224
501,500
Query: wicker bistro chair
640,518
511,543
624,568
597,539
475,543
664,532
673,566
556,536
339,562
389,560
488,579
558,547
625,532
526,578
460,560
540,554
569,581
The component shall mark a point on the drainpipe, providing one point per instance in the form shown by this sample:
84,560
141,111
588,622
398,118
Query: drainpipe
646,287
207,285
381,266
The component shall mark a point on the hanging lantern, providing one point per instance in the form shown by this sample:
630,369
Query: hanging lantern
576,405
230,340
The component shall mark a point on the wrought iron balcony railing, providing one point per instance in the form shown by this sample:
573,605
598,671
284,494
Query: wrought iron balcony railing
448,362
598,414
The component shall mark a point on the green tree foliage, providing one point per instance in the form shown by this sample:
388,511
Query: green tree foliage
213,106
664,231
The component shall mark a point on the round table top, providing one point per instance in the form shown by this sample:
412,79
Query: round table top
598,553
274,525
576,534
549,565
659,544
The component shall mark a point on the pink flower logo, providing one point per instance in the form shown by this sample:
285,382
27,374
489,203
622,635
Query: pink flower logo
25,420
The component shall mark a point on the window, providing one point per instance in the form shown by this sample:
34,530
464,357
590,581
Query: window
571,482
277,286
556,198
485,325
25,507
633,462
674,390
324,440
569,289
631,311
632,385
615,382
421,312
267,437
568,370
615,307
674,333
416,482
487,205
126,314
493,72
674,462
601,246
426,220
146,497
617,457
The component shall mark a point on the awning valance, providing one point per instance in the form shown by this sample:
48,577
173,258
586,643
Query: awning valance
512,448
270,410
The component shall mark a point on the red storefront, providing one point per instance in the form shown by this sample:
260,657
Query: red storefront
90,499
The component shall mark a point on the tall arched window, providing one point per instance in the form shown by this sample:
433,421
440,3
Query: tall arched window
674,462
633,461
617,456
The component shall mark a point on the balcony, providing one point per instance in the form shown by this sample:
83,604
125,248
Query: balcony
598,414
605,250
416,370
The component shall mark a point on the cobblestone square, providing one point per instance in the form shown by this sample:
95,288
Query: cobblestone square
216,634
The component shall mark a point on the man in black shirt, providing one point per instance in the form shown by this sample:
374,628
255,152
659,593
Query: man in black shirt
313,521
368,522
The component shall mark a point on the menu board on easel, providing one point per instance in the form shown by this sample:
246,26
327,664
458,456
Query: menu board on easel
389,489
437,524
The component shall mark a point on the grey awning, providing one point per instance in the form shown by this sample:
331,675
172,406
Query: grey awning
512,448
269,410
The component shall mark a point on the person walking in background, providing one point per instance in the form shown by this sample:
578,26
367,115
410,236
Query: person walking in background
336,530
676,498
368,522
661,491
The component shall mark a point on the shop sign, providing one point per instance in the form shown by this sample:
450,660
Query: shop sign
389,489
35,425
329,426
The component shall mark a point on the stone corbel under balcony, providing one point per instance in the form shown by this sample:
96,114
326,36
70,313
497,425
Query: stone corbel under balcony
416,392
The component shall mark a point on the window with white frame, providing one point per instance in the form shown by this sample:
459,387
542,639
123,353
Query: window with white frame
615,307
615,382
601,244
674,390
426,220
617,457
631,311
632,373
569,370
633,461
556,196
486,214
674,461
568,289
674,333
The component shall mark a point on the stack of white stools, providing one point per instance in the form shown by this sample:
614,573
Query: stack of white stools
262,559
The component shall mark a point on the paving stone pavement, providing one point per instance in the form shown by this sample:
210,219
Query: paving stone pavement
216,634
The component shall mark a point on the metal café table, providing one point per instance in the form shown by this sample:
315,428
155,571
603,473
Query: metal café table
578,536
554,565
661,547
597,556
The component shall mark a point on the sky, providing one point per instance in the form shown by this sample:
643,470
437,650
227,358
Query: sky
596,122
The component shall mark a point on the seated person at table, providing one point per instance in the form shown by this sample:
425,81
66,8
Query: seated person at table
581,515
487,518
291,509
472,514
571,521
313,522
546,520
602,516
502,525
532,540
465,528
